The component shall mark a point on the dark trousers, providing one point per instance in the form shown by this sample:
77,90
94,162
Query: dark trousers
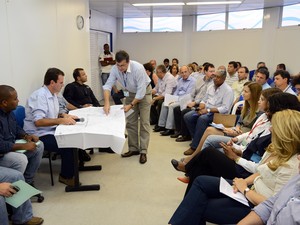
204,202
179,121
155,111
117,97
210,162
67,158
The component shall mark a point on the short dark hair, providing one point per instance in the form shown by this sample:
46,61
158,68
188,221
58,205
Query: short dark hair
162,68
166,60
76,73
148,67
175,60
269,92
264,70
296,80
235,65
284,74
207,65
282,101
239,63
246,69
5,92
52,74
281,66
260,63
122,55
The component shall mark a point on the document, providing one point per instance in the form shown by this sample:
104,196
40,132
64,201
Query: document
218,126
184,101
170,99
227,189
25,192
22,141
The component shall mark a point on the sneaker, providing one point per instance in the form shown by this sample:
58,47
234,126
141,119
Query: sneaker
32,221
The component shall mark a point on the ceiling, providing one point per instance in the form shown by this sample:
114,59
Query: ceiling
125,9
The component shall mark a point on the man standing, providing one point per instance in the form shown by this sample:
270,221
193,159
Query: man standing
165,85
282,81
231,73
10,132
42,118
79,94
137,89
218,99
107,60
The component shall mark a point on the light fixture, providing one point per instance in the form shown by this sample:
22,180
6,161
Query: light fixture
214,3
159,4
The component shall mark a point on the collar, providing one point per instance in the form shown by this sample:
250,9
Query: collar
286,88
48,92
129,67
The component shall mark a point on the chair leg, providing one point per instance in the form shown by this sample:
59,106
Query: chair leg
51,172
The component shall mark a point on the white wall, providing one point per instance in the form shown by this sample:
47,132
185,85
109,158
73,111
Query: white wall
271,44
36,35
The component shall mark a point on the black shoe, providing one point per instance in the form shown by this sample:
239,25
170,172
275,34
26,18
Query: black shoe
83,156
167,132
158,129
175,135
130,153
143,158
108,150
183,138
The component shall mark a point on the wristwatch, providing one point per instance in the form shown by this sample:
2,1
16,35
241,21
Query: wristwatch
208,110
246,190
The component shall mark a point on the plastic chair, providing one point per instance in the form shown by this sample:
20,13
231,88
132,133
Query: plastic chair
236,105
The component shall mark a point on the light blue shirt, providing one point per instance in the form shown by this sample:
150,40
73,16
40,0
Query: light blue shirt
289,90
185,86
220,98
41,104
166,85
266,86
135,80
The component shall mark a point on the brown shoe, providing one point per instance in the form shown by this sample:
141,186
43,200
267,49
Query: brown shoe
183,138
67,181
143,158
130,153
189,151
32,221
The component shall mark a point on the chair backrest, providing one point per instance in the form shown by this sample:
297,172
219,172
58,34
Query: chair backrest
228,120
236,105
20,115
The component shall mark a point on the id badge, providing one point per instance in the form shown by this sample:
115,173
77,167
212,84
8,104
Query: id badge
126,93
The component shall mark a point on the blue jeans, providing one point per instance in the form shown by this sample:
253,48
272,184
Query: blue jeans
197,125
67,158
27,163
104,77
23,213
214,141
204,202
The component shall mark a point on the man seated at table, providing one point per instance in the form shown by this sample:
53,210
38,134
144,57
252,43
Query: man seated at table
22,214
29,162
42,118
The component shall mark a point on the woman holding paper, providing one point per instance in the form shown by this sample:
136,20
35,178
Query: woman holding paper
204,202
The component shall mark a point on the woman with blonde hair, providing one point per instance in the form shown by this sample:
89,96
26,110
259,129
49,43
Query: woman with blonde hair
204,202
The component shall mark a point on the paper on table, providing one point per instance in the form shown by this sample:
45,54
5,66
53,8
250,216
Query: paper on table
170,99
226,189
22,141
218,126
184,101
25,192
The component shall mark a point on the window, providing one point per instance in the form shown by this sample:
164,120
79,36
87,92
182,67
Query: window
164,24
290,15
136,25
245,19
211,22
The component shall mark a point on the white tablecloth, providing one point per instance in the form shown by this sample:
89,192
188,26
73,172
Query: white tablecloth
97,129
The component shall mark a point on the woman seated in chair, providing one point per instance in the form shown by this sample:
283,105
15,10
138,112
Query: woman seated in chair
204,202
249,115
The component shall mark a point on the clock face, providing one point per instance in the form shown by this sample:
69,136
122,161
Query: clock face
79,22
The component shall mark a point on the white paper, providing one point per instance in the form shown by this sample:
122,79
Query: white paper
170,99
227,189
184,101
97,131
218,126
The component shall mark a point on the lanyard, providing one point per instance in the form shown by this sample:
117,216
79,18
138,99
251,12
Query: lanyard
125,79
256,125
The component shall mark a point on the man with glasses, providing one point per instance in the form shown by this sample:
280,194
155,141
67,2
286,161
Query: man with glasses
218,99
137,90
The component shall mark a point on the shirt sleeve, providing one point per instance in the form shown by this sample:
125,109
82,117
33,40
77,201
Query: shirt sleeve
264,209
226,103
141,83
39,106
171,83
111,79
69,93
5,146
248,165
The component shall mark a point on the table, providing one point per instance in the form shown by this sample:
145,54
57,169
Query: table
96,130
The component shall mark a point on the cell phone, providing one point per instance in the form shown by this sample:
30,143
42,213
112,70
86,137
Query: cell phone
16,188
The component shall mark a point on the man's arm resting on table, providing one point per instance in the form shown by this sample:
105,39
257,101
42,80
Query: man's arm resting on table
47,122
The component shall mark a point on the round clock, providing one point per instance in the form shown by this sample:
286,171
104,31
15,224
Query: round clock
79,22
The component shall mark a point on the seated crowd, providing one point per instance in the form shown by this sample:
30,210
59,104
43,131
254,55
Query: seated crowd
257,159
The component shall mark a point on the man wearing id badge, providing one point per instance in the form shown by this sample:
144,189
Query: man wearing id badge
137,90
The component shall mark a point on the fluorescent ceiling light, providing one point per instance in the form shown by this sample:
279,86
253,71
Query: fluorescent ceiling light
159,4
214,3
